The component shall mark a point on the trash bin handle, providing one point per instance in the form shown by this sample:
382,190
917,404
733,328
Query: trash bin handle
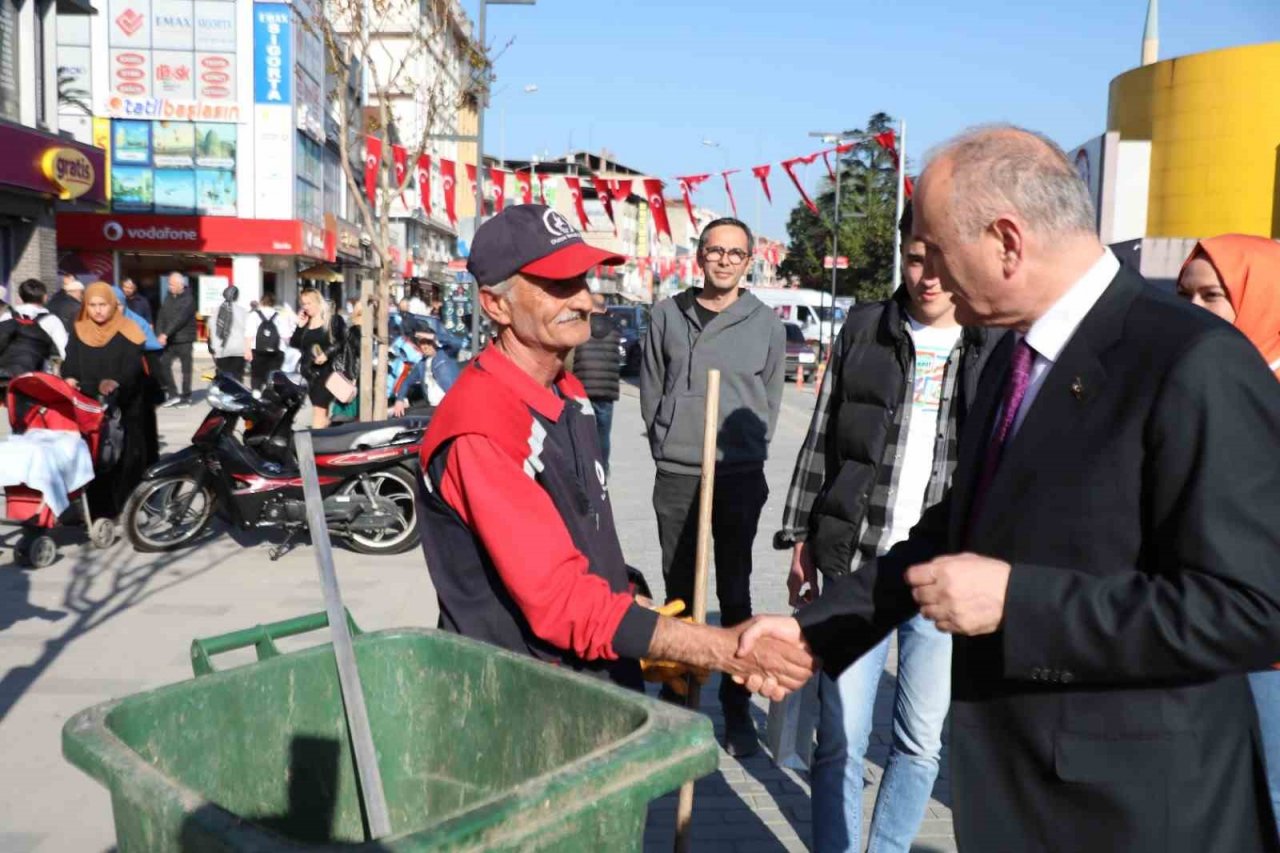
261,637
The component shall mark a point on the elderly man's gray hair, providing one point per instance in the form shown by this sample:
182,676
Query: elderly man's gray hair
502,288
182,278
998,168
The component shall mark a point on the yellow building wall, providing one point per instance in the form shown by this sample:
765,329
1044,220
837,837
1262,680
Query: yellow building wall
466,202
1213,120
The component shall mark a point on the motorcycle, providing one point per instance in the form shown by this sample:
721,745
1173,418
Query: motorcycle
367,474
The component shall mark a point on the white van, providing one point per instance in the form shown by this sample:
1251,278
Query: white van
810,309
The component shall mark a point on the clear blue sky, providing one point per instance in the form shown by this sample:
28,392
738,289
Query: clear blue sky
650,79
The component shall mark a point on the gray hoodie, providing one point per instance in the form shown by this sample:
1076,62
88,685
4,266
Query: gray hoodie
747,343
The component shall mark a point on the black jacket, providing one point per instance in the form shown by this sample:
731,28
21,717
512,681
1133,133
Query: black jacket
597,363
873,351
139,305
65,308
1137,504
24,346
177,318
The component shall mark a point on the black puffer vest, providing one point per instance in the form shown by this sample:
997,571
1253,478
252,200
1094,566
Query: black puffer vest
597,363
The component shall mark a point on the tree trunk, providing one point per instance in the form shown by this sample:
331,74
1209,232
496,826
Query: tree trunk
380,373
366,350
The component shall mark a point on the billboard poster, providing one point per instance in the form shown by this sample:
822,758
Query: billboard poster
132,188
215,192
75,85
128,23
174,75
272,53
175,191
130,73
131,141
215,25
216,76
173,145
172,24
216,146
273,162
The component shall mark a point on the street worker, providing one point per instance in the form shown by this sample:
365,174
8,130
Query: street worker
517,529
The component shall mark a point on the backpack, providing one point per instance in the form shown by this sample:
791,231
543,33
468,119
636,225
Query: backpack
25,346
268,339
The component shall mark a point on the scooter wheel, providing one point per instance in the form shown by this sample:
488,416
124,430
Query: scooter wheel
102,533
42,552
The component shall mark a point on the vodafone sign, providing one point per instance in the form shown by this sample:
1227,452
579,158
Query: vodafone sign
223,235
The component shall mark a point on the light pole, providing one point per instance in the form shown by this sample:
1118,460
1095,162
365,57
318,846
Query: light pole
482,100
837,139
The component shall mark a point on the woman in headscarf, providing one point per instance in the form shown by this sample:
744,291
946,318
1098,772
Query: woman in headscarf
105,361
226,343
1237,277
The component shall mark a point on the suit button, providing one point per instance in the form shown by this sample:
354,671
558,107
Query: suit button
1036,673
1066,678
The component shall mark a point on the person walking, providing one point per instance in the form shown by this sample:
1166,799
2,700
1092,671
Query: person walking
266,331
598,367
227,341
66,303
721,327
30,337
879,451
176,331
135,301
321,337
1105,558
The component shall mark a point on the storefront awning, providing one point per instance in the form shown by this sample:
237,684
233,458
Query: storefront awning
322,272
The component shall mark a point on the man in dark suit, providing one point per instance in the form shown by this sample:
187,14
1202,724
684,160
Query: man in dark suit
1108,558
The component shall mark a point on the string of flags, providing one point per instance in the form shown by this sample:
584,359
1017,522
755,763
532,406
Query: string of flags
530,185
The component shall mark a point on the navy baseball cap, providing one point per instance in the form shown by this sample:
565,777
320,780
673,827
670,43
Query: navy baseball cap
533,239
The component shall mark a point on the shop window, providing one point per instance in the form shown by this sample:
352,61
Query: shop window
9,106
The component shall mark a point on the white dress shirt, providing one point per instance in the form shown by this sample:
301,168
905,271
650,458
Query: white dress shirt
1049,335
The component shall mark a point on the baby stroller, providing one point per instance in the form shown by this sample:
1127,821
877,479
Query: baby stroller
45,473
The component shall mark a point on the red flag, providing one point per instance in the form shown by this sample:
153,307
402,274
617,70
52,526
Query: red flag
788,166
728,190
400,158
575,190
762,172
688,184
448,181
424,181
602,192
657,205
498,178
621,189
471,179
889,142
525,185
372,165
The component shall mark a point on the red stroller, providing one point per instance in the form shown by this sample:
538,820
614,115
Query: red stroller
43,401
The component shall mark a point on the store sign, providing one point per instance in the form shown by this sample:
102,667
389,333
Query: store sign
174,75
206,234
215,25
216,77
128,23
131,73
169,109
349,241
272,53
173,24
68,170
313,241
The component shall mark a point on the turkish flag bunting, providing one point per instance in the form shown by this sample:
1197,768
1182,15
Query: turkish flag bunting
728,190
762,172
889,142
789,165
575,190
449,181
688,184
400,158
424,181
471,178
498,178
657,205
603,193
372,163
622,189
525,184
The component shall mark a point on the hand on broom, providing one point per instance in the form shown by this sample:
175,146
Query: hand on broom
668,672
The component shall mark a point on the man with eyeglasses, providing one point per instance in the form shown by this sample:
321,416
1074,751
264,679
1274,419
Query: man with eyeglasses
716,327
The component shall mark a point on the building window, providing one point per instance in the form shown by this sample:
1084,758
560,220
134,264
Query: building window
9,107
38,12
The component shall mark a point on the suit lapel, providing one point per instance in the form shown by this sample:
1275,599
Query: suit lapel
1073,382
974,438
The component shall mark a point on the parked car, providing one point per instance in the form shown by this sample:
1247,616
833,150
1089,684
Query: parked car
800,353
811,309
633,323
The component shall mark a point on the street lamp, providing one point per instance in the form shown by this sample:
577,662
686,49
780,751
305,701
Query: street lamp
837,139
482,102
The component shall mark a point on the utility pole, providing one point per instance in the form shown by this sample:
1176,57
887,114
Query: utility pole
837,139
902,203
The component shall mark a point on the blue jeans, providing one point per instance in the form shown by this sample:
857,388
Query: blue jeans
846,706
1266,695
604,425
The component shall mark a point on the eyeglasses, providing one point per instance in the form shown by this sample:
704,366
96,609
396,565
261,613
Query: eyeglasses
715,253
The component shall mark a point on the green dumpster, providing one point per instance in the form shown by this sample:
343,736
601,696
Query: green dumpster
479,749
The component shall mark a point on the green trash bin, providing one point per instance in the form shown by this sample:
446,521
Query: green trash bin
479,749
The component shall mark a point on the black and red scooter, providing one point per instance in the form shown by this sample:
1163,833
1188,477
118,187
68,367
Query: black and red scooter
367,475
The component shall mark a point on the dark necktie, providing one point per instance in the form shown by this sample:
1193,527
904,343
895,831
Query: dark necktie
1015,388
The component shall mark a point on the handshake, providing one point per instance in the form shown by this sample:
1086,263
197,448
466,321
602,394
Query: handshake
767,654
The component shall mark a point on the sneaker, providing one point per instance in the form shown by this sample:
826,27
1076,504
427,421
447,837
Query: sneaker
184,403
740,737
170,402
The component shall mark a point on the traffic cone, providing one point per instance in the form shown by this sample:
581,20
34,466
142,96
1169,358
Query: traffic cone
800,376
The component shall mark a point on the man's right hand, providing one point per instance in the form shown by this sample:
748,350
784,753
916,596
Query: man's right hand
163,339
761,640
802,582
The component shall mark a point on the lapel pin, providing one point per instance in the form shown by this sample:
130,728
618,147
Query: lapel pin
1077,388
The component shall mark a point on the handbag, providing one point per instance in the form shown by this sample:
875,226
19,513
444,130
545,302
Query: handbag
790,729
340,387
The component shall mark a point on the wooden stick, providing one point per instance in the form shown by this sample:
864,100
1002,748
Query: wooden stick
710,430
